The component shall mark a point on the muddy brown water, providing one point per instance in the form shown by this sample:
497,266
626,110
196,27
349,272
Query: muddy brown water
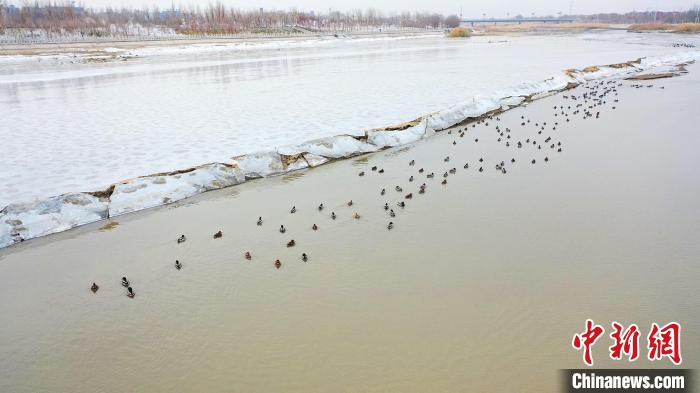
479,287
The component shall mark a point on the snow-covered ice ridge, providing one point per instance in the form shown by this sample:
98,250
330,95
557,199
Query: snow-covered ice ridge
22,221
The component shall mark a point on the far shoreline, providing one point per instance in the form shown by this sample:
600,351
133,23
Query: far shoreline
142,42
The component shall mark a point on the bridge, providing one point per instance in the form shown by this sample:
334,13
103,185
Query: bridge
516,21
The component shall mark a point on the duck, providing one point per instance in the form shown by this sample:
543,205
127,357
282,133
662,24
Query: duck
381,170
181,239
447,159
291,243
383,191
125,282
94,288
130,292
533,160
178,265
392,214
304,257
361,174
412,162
333,215
546,159
476,140
409,195
401,204
420,170
444,181
466,166
283,229
294,210
430,175
386,206
320,207
391,225
350,203
278,264
398,189
512,160
356,216
314,227
481,169
248,256
259,221
218,235
374,168
410,179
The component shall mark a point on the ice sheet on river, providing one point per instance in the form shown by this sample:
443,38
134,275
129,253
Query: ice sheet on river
155,190
23,221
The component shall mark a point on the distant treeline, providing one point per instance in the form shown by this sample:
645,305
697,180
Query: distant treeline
690,16
214,18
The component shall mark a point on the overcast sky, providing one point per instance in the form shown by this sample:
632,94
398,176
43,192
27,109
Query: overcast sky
471,8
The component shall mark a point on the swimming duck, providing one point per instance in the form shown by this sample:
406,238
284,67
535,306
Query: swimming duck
466,166
410,179
386,206
130,292
314,227
333,215
444,181
291,243
430,175
374,168
413,162
481,169
350,203
283,229
533,160
546,159
94,287
401,204
218,235
294,210
476,140
391,225
398,189
383,191
356,216
420,170
181,239
381,170
447,159
278,264
409,196
481,159
304,257
248,256
178,265
392,214
361,174
512,160
320,207
259,220
125,282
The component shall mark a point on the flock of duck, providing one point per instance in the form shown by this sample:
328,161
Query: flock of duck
538,136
